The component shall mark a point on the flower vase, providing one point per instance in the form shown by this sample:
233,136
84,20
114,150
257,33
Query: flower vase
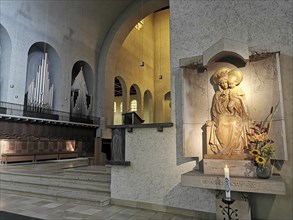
263,172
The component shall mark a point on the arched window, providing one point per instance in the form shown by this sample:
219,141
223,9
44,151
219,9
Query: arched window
121,107
133,106
119,99
115,107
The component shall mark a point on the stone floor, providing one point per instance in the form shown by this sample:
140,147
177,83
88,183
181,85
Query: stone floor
39,208
56,210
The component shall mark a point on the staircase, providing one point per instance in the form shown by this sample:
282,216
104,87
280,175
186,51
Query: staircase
88,185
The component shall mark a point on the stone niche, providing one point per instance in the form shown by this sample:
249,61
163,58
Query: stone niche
261,85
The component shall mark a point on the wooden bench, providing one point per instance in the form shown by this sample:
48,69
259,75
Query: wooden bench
46,156
37,156
17,157
67,154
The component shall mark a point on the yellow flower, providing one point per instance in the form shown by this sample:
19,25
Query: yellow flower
255,153
260,160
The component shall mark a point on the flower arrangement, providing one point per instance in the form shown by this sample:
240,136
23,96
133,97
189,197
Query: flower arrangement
260,147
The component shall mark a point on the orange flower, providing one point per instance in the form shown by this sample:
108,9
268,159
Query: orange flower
260,137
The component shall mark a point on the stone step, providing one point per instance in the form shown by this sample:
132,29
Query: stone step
61,186
90,170
57,178
67,196
46,167
88,175
72,182
99,179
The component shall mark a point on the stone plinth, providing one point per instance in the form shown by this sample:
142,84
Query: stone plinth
274,185
236,167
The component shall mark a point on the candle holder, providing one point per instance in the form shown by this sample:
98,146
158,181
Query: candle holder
227,210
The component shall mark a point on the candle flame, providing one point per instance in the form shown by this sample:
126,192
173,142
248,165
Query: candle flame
226,166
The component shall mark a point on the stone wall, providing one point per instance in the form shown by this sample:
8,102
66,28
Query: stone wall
153,175
197,25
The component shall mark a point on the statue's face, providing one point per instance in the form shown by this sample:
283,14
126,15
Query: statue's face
223,83
232,82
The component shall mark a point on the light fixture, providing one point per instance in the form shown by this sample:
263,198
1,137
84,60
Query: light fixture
140,24
160,46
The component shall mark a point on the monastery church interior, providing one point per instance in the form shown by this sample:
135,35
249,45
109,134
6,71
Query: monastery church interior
175,106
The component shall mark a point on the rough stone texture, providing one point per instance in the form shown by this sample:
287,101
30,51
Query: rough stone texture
261,85
236,167
274,185
225,45
196,25
154,176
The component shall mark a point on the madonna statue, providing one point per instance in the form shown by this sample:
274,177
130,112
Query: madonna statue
230,119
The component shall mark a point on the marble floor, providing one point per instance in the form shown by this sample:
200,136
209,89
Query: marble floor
49,209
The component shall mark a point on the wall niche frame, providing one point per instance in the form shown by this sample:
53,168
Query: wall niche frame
82,82
261,83
35,55
5,58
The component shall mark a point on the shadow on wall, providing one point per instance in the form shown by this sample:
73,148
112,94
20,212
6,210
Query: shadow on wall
191,198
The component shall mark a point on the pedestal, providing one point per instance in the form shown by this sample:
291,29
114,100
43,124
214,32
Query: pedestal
236,167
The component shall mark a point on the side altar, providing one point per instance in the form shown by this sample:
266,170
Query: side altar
233,117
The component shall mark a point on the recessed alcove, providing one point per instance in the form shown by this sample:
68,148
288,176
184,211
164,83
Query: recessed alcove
260,86
81,90
148,104
5,56
35,55
87,72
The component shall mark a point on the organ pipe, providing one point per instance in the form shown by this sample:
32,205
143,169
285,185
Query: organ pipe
40,94
80,104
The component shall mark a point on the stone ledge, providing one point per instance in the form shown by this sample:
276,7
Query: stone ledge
118,163
274,185
163,208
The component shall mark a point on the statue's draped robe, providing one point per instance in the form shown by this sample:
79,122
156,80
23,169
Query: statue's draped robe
229,129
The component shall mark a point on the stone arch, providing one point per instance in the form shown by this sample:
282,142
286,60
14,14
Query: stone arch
35,55
5,58
113,42
227,50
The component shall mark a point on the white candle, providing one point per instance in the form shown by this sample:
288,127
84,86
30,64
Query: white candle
227,182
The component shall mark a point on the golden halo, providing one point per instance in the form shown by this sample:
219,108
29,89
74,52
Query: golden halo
237,74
